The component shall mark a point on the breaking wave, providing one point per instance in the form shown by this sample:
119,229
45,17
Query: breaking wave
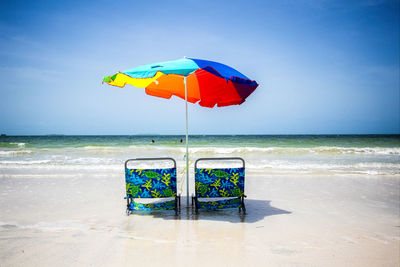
248,150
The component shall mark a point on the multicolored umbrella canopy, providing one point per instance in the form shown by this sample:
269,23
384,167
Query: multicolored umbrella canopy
209,82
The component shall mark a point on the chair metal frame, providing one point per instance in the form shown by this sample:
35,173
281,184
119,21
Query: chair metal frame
195,198
177,197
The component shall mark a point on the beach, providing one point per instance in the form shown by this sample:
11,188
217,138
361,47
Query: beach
311,201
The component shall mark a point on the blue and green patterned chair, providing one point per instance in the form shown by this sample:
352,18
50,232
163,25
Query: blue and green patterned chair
227,183
151,183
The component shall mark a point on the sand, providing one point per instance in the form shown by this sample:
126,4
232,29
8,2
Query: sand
292,221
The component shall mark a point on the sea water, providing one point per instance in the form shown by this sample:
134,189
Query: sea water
74,156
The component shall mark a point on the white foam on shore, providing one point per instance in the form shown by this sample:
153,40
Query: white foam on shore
62,176
62,167
76,161
273,167
320,166
247,150
24,162
301,150
7,153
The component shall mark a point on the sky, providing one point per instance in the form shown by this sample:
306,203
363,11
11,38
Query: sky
323,67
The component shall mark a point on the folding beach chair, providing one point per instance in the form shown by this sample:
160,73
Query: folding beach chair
227,183
151,183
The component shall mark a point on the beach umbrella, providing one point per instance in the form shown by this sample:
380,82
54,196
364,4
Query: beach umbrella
207,83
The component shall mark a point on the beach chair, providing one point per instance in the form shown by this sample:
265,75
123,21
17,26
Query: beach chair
227,183
151,183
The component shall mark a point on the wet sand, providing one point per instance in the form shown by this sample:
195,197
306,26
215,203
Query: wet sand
291,221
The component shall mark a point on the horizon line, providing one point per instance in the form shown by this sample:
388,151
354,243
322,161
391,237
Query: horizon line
149,134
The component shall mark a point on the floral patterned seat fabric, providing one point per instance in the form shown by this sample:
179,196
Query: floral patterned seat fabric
216,183
151,183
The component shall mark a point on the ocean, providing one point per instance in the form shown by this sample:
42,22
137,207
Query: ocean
73,156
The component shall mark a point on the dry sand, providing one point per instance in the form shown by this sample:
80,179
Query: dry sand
291,221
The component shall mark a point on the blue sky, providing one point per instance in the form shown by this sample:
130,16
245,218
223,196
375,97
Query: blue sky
324,67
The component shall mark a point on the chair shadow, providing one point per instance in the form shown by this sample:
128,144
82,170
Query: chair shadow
256,210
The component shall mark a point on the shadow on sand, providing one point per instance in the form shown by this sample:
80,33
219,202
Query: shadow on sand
256,211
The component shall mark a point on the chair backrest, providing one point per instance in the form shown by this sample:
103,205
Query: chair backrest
225,182
150,183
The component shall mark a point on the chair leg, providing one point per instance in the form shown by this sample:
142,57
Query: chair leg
243,206
127,206
176,205
196,205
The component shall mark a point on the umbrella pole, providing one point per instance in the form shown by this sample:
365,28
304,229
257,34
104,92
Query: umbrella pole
187,143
